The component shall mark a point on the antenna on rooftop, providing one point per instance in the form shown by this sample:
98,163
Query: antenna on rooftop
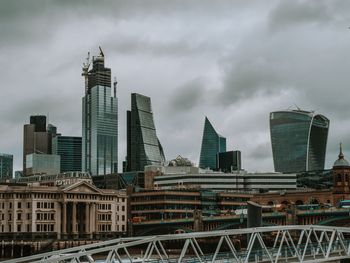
115,86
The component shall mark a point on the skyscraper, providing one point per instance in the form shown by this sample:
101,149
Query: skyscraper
35,138
143,146
212,144
100,120
6,165
299,140
69,148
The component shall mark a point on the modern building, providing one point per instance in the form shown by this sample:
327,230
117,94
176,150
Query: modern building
212,144
69,148
185,177
229,161
42,164
143,146
100,120
36,139
299,140
61,207
6,166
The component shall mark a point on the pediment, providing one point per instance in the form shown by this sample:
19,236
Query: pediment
82,187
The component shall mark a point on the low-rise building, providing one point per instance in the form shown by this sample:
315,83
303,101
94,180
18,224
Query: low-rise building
63,206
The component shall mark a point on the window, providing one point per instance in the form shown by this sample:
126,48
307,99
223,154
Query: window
123,208
18,228
19,216
19,205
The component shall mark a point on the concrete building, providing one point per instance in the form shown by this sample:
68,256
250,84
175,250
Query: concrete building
6,166
99,120
36,139
186,177
65,206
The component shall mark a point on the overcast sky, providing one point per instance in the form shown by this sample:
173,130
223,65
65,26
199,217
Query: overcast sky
233,61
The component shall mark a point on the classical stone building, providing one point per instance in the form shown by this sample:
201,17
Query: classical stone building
68,206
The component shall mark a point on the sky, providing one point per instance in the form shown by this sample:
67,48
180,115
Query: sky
232,61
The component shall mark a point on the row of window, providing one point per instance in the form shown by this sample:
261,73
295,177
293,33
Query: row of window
45,216
45,205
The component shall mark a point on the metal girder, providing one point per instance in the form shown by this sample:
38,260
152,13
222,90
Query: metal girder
268,244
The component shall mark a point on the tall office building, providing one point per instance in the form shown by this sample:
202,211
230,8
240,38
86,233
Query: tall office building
143,146
6,165
229,161
212,144
35,138
100,120
299,140
69,148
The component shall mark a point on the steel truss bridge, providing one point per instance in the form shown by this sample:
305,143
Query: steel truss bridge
308,243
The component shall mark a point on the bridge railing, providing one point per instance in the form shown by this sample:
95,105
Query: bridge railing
269,244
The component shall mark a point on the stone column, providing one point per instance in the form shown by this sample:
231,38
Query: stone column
87,218
74,218
64,218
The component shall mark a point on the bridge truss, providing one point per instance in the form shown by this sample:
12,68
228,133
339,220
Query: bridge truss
308,243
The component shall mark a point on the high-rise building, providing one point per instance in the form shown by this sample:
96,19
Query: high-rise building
143,146
69,148
212,144
100,120
6,165
229,161
35,138
42,164
299,140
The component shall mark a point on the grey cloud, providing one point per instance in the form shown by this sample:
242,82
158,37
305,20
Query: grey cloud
186,97
293,13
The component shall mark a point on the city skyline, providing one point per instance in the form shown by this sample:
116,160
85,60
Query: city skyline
243,64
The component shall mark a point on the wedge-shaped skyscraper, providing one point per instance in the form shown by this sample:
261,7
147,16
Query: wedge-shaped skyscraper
212,144
299,140
143,146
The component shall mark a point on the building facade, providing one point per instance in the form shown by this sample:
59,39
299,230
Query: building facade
64,208
69,149
100,120
36,139
143,145
167,177
6,165
299,140
212,144
42,164
229,161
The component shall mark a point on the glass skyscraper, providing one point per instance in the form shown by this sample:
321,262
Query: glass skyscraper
212,144
299,140
100,120
143,146
69,148
6,165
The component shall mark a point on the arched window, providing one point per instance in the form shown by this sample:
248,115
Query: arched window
339,178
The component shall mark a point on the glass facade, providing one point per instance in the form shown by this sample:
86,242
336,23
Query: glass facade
212,144
6,165
299,140
42,164
100,123
143,146
69,148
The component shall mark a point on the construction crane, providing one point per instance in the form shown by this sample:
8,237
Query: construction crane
101,52
85,72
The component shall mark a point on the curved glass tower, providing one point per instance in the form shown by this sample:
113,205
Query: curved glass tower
212,144
299,140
